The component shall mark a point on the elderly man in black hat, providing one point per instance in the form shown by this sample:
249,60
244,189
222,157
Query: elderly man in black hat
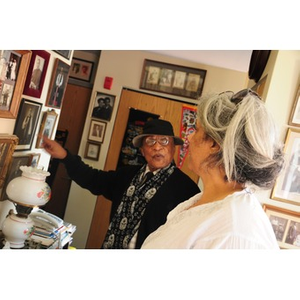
141,196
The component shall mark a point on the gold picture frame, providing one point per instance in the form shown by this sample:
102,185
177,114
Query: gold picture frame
47,126
8,144
13,109
287,188
294,119
286,226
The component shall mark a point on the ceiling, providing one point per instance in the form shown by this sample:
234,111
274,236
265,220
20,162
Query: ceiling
238,60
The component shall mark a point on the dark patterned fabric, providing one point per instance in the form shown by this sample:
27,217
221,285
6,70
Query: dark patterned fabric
126,220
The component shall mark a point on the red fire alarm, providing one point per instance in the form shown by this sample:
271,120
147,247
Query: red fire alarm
108,82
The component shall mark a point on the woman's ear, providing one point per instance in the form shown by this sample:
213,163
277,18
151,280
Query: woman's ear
215,147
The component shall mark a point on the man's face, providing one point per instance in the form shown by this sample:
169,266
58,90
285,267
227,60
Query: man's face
158,156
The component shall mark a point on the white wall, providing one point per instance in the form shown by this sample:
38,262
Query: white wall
126,68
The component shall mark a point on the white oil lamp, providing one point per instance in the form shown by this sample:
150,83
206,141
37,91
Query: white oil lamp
26,192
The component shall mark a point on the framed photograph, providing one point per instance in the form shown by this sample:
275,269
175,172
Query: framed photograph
47,126
8,145
14,65
286,226
81,69
34,159
36,73
58,84
172,79
14,171
97,131
103,106
64,53
92,151
287,187
26,123
295,113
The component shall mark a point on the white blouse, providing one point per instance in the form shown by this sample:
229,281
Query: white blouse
236,222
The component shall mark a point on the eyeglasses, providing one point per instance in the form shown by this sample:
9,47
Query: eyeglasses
163,141
239,96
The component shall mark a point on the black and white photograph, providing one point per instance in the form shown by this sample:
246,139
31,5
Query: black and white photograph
36,73
26,123
14,171
97,131
286,226
103,106
287,187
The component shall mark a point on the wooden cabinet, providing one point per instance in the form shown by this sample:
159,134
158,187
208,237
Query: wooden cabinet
167,109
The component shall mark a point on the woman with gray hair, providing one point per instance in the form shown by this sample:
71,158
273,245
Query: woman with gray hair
235,150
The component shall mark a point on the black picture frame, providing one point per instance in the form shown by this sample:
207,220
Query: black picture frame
172,79
58,84
26,123
81,69
64,53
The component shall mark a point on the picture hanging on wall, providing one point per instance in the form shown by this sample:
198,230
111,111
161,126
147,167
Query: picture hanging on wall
81,69
286,226
172,79
13,71
14,171
64,53
26,123
97,131
92,151
36,73
58,84
287,187
295,113
8,145
103,106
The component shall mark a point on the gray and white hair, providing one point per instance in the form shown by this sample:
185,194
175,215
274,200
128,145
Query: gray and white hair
250,151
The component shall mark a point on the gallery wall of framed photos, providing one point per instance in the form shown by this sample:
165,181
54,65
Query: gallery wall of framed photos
32,85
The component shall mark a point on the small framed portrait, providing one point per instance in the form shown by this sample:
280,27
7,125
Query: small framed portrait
103,106
58,84
13,70
26,123
287,186
295,113
14,171
36,73
8,145
47,126
97,131
286,226
92,151
81,69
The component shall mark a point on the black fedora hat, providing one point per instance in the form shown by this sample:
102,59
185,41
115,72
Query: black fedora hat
157,127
